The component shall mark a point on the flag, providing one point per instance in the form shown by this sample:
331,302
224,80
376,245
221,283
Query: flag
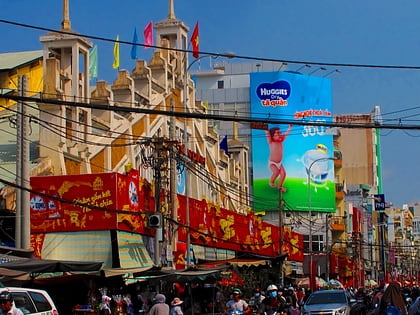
93,63
116,63
195,41
224,146
134,47
148,35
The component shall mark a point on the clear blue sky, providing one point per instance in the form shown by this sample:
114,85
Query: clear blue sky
377,32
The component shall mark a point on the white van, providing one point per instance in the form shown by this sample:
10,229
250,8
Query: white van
32,301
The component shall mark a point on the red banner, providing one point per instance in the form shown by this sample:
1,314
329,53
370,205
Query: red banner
87,202
107,201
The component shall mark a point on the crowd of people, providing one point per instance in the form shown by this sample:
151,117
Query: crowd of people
389,299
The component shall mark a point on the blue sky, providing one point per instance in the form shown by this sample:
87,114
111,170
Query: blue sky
376,32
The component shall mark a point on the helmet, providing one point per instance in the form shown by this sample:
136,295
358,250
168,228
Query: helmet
237,290
6,296
272,287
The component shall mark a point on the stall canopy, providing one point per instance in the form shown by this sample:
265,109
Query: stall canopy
249,260
35,265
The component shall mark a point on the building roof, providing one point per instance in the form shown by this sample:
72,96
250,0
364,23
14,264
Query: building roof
15,59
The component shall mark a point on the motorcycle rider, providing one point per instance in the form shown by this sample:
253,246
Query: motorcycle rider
236,305
274,302
256,300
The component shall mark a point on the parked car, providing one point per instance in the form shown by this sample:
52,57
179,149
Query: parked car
32,301
328,302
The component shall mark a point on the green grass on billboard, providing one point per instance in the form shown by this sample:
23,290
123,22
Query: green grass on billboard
296,197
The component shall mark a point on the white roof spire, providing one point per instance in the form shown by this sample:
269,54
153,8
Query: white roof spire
171,14
65,24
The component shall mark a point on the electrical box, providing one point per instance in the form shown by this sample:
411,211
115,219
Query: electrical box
154,221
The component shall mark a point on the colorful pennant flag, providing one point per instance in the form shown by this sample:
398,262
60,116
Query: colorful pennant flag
134,47
116,63
148,35
93,63
195,41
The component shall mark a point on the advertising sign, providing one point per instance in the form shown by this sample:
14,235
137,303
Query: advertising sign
379,200
294,159
84,202
213,226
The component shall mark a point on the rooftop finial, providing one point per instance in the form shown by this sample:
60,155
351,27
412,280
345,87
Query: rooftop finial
171,14
65,24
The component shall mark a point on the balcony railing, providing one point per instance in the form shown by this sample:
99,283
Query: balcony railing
338,224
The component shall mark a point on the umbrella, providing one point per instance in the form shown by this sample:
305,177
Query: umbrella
319,282
335,284
370,283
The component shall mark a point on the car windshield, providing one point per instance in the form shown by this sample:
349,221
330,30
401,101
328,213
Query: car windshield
327,298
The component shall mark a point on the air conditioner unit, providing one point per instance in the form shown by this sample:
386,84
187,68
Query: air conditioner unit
154,221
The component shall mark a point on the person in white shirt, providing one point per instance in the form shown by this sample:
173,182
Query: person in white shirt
7,304
237,304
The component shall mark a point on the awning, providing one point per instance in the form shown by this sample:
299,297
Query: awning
129,256
235,262
35,265
13,277
175,275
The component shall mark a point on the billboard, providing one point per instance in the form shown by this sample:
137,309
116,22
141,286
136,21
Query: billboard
294,159
88,202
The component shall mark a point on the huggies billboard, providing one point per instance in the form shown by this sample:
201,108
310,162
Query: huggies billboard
292,159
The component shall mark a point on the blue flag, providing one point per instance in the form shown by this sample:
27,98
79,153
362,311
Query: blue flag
224,146
134,47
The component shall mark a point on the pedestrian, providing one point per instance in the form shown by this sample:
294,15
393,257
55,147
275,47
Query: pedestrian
160,307
392,299
7,304
414,308
176,306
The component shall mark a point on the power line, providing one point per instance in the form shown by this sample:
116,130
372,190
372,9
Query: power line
282,61
263,120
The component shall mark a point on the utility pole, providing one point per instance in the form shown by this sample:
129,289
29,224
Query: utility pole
173,191
281,235
23,223
327,248
155,154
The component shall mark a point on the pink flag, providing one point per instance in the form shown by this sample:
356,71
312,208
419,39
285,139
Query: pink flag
148,35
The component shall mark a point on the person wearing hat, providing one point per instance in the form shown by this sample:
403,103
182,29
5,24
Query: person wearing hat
7,304
236,304
160,307
176,306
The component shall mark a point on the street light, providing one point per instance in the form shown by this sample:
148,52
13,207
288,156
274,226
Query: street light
311,284
185,103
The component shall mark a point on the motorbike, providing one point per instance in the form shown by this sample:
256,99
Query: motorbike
235,312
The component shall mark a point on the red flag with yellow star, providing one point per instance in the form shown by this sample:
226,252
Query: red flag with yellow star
195,41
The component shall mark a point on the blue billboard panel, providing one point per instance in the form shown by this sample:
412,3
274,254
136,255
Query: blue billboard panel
294,159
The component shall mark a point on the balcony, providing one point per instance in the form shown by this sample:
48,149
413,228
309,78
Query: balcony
338,158
339,191
338,224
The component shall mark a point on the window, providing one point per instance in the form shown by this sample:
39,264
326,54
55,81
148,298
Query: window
23,302
317,243
220,84
40,301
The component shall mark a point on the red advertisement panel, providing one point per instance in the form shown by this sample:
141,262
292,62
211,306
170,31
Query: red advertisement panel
123,201
82,202
213,226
